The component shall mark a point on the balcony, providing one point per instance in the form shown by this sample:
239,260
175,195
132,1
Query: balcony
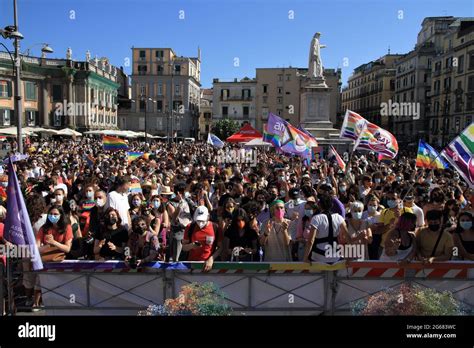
235,98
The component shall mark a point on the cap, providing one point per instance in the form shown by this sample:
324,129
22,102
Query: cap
201,214
294,192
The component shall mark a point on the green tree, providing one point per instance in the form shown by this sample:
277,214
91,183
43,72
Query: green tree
225,128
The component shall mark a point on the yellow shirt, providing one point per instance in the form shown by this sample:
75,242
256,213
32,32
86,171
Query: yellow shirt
387,216
426,240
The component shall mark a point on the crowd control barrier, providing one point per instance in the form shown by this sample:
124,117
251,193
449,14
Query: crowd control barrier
252,288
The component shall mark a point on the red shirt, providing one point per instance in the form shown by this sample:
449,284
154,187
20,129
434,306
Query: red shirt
206,237
58,237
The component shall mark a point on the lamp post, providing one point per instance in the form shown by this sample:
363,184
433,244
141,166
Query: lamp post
146,99
11,32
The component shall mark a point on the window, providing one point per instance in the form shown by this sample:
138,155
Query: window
469,102
279,112
177,69
159,70
57,93
429,63
279,100
460,64
142,54
159,54
6,117
246,111
177,90
265,89
468,120
425,78
225,111
31,117
159,105
471,60
160,89
280,90
142,69
470,84
288,77
5,89
224,94
245,93
30,91
265,100
142,104
412,96
280,77
142,90
265,113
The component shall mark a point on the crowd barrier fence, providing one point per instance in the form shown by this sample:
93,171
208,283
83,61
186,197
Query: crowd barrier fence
252,288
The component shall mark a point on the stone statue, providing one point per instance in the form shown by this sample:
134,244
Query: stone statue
88,56
69,53
315,66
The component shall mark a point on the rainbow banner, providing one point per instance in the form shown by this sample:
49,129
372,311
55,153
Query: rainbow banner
460,154
333,154
113,144
368,136
146,156
288,138
428,157
135,186
133,155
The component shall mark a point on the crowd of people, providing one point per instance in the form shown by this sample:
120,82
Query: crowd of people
186,202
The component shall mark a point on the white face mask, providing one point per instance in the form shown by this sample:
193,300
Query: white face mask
100,202
201,224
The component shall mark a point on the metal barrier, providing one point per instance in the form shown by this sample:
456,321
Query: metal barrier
109,288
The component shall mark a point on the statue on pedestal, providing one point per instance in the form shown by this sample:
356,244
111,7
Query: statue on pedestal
315,65
69,53
88,56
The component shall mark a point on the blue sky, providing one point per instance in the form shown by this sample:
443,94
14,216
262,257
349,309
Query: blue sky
258,32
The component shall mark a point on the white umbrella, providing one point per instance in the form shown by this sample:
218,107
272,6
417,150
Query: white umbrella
13,131
257,142
69,132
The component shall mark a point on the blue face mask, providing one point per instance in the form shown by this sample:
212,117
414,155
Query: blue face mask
377,180
308,212
391,203
465,225
357,215
53,218
156,204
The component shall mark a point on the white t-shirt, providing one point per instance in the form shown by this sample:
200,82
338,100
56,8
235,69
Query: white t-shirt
321,223
119,201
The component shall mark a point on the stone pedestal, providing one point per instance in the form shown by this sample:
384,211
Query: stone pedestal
315,106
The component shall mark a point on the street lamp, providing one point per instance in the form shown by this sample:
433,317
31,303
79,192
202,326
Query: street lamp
146,99
11,32
45,49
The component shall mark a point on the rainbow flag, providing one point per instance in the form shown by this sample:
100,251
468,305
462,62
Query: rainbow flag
135,187
113,144
287,138
385,159
368,136
333,154
146,156
133,155
428,157
460,154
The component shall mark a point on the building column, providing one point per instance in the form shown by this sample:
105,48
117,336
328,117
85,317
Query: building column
70,119
44,119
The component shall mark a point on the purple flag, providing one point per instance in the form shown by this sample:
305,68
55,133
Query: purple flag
18,229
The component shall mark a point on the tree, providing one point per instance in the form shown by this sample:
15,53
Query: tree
225,128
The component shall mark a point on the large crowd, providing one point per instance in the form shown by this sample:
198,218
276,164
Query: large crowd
185,202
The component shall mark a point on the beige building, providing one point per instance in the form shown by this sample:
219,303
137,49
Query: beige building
205,113
370,85
165,93
414,78
278,91
80,94
452,85
234,100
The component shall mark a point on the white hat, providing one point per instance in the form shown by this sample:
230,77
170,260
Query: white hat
201,214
